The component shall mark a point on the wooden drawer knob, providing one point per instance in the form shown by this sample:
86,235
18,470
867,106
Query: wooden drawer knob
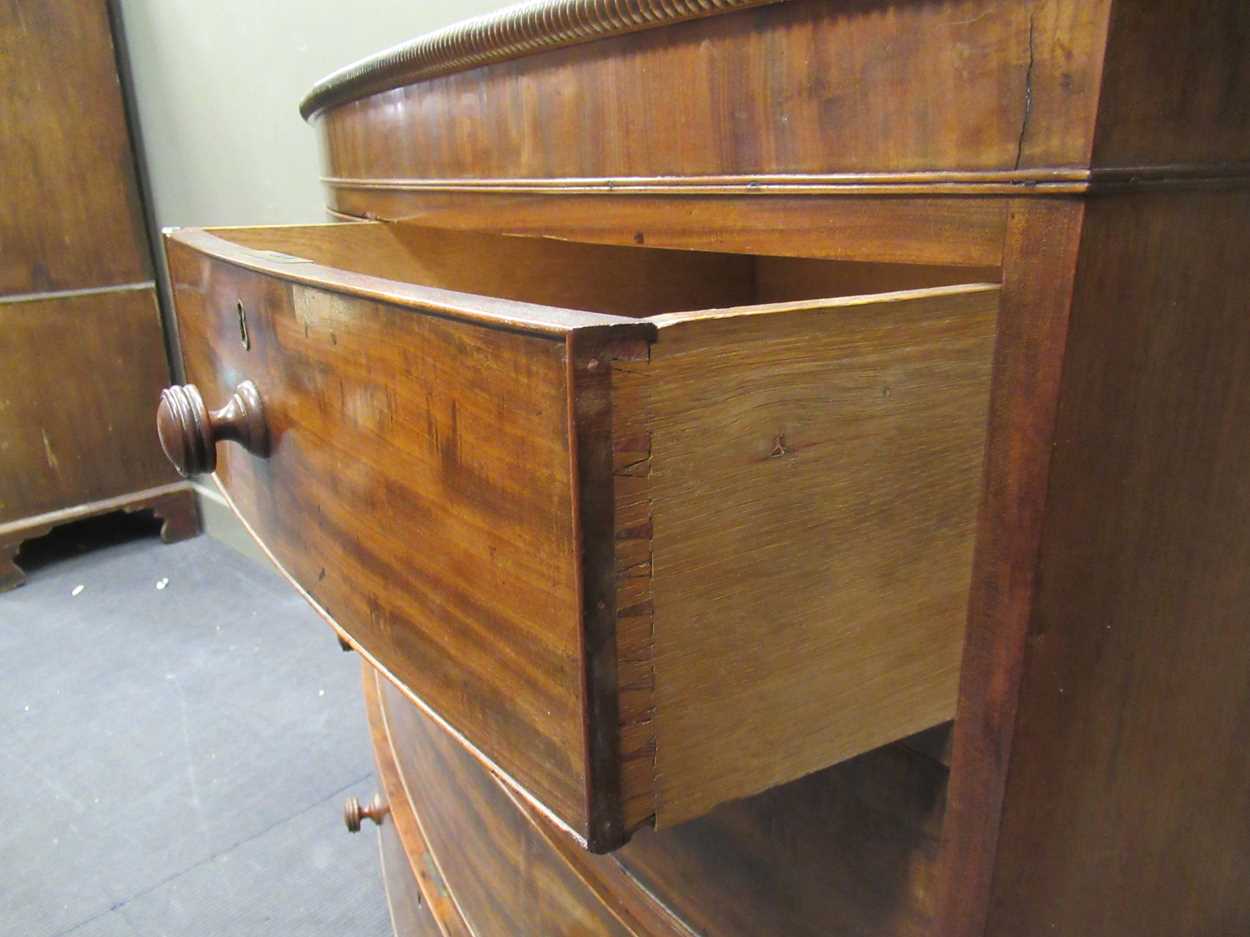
354,812
189,432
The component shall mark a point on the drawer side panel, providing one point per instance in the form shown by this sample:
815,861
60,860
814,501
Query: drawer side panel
812,478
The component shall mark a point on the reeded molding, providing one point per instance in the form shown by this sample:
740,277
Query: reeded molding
513,32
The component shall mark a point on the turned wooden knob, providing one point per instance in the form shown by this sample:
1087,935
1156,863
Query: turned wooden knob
354,811
189,432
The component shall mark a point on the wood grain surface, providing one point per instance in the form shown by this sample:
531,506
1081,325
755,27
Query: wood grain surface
806,86
79,378
852,849
419,892
419,491
410,913
1041,253
512,32
1128,764
1097,783
1174,103
918,230
812,482
614,281
70,217
487,513
504,877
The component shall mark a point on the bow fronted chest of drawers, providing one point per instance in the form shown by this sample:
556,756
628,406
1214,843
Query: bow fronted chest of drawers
782,464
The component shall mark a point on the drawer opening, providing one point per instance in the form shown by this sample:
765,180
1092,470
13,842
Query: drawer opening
635,282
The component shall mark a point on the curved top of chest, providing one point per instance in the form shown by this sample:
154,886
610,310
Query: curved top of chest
896,97
709,94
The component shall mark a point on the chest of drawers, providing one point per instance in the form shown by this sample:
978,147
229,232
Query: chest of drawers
690,403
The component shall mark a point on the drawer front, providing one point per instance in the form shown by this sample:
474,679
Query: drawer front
503,874
410,914
417,489
789,863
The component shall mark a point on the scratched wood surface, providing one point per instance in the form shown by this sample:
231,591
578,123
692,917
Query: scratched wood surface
1011,85
70,217
419,491
78,382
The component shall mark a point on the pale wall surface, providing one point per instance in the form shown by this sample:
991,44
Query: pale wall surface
217,84
215,91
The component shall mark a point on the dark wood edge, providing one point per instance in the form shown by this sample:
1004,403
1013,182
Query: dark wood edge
1016,182
386,887
430,881
489,311
937,183
430,713
877,221
514,32
637,909
131,501
138,286
1043,242
178,511
589,356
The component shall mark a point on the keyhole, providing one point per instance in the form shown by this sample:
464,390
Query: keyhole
243,336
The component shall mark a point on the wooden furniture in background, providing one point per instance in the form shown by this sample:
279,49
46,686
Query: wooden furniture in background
82,352
689,392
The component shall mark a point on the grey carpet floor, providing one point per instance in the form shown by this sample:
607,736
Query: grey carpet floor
174,761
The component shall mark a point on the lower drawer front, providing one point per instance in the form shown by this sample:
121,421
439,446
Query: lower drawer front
849,850
639,566
503,877
410,914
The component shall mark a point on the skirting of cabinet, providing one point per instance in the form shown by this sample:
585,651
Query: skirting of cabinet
175,504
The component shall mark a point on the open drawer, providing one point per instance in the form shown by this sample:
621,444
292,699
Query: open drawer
640,559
